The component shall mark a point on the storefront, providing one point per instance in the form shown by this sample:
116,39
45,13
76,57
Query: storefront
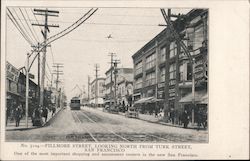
200,108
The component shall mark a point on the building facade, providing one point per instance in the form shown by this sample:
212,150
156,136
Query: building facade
16,90
163,72
97,91
124,86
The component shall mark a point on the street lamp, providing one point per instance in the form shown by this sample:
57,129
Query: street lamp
193,89
27,69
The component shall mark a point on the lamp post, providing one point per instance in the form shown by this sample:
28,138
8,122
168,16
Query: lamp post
27,69
193,89
27,90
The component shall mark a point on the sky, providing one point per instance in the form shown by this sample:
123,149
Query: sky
87,45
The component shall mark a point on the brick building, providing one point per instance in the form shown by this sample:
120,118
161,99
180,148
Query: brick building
161,66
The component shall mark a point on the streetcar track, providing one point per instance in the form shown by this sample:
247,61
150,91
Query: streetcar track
104,127
77,118
150,135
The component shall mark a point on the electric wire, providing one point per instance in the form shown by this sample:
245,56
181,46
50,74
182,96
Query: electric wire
17,25
36,18
52,55
34,37
30,37
37,38
19,30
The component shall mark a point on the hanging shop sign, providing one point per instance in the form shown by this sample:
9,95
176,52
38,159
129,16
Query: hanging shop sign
200,69
12,73
172,92
160,94
160,85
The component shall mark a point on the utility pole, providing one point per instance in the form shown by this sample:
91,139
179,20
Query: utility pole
177,64
166,88
44,13
38,71
88,86
178,39
96,84
112,55
115,74
58,72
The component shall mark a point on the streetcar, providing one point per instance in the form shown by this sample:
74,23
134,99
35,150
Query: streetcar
75,103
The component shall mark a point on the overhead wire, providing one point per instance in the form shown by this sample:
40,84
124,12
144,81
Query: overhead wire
17,25
52,54
36,18
48,68
30,37
34,37
73,28
37,38
70,27
19,29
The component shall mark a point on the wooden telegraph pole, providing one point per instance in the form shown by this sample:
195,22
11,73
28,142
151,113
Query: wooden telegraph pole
45,13
96,84
57,72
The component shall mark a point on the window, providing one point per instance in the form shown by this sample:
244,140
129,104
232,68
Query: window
181,70
173,49
138,68
150,79
172,73
195,37
199,36
189,71
162,75
163,54
150,61
138,83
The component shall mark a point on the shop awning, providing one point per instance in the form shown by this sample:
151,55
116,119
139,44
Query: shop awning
143,100
201,97
153,100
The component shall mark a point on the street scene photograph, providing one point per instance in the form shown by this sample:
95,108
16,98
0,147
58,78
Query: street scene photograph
106,74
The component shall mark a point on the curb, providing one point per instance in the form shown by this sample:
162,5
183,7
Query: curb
48,122
167,124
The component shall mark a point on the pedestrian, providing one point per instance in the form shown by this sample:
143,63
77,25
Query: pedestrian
17,115
156,111
45,113
36,117
185,118
53,111
172,115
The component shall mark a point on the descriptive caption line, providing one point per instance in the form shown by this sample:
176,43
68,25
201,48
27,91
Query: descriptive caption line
87,150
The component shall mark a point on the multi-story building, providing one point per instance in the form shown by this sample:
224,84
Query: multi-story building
16,90
124,86
97,91
163,72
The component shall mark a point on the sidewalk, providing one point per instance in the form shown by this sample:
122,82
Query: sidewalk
158,120
11,125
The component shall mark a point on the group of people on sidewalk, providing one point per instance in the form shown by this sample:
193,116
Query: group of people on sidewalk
40,113
18,112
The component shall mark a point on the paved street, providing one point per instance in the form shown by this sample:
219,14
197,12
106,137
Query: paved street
93,125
